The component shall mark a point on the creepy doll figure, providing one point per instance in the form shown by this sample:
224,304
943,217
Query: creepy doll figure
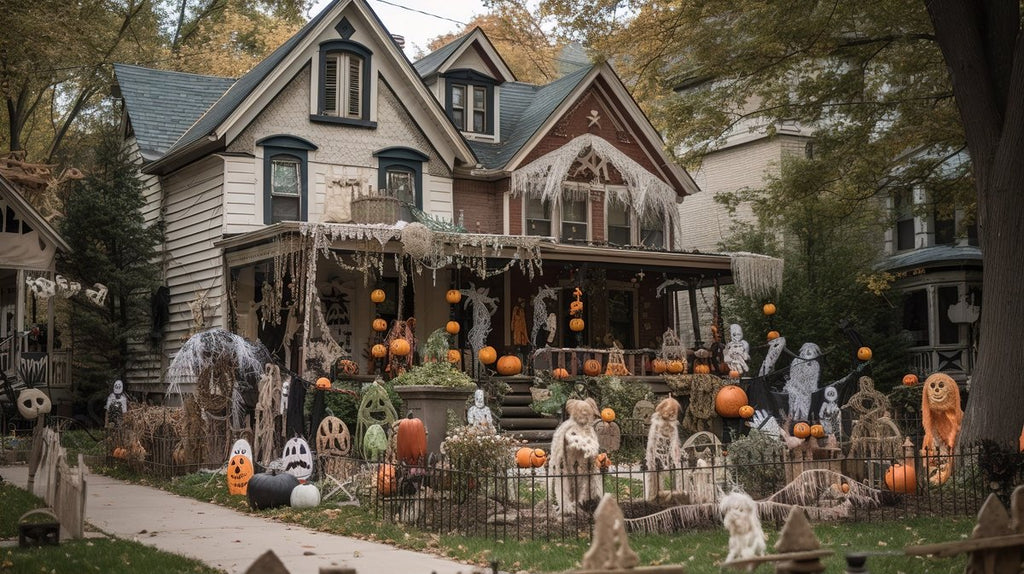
663,448
739,516
573,465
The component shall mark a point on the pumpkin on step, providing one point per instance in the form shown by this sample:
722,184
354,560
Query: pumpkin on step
560,374
487,355
509,365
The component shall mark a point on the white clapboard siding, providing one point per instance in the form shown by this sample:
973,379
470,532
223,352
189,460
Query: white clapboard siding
241,210
437,196
150,185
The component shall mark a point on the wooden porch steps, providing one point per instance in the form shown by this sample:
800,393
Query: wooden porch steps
522,421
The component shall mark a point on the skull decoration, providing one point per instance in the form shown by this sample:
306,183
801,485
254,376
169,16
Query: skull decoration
333,438
298,460
33,403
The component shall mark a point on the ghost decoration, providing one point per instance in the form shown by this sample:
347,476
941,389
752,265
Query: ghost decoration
298,459
117,402
830,414
33,403
242,447
333,437
804,373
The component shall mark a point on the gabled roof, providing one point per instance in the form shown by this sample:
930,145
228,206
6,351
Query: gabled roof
429,64
10,192
205,135
441,60
524,109
163,105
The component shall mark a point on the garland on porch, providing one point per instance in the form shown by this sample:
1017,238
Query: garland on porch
756,275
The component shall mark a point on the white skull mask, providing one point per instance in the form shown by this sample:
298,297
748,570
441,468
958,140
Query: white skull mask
118,387
32,403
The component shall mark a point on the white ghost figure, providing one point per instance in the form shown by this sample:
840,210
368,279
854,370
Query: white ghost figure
241,447
298,459
737,351
803,381
117,398
479,415
830,414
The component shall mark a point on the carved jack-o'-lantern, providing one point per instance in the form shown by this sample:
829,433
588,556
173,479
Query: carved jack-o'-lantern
298,460
240,470
32,403
333,437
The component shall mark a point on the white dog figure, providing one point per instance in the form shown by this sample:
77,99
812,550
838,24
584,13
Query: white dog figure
739,516
573,460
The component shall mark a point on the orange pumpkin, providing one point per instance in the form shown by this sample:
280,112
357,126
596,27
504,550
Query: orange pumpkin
524,457
454,356
817,431
901,478
864,353
380,325
538,458
746,411
560,374
576,307
400,347
734,374
769,309
453,296
729,400
377,296
607,414
659,366
910,379
487,355
701,369
323,383
801,430
675,367
452,327
379,351
603,460
120,452
772,335
592,367
386,479
509,365
845,487
348,367
411,440
576,324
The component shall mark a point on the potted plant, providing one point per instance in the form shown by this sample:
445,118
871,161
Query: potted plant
549,394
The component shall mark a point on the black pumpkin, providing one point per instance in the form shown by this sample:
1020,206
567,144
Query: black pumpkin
271,489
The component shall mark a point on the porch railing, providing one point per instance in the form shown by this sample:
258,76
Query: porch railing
60,369
637,361
956,360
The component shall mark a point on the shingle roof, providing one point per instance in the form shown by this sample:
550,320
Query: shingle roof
932,256
163,104
245,85
428,65
524,108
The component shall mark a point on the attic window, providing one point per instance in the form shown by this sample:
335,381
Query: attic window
470,101
344,84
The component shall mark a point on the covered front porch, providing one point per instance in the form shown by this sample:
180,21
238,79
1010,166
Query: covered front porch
304,290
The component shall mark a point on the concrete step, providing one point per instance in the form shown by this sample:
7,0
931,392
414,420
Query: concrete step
539,423
516,400
519,412
542,438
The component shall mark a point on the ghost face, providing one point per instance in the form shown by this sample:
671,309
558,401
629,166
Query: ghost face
735,332
241,447
118,387
831,394
33,403
298,460
809,351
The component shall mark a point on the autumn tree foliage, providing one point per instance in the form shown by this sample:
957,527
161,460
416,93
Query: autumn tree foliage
901,93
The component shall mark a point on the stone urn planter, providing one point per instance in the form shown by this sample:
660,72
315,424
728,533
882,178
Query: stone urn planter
431,405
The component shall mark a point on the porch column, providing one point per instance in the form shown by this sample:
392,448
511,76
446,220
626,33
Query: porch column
19,319
694,319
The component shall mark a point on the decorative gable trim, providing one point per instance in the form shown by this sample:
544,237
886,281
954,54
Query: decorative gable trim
479,42
345,29
287,141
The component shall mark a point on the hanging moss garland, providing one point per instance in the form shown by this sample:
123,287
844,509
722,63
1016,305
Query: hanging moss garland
375,408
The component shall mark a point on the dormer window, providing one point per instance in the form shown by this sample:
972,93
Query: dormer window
343,93
470,101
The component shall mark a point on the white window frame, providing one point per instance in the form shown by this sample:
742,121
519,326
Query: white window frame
556,219
634,225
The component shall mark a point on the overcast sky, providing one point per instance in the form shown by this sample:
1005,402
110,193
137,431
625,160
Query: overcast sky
415,21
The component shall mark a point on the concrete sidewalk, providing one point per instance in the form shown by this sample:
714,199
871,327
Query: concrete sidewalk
231,541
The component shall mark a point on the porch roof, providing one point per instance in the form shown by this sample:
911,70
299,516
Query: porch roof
262,244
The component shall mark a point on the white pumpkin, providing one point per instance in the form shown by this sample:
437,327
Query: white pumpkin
305,496
298,459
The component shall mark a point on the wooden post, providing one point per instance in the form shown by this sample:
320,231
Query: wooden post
694,319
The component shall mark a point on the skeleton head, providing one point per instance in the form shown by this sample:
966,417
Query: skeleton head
735,332
118,387
809,351
940,389
831,394
32,403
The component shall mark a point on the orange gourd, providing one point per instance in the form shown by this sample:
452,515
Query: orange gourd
454,356
323,383
817,431
603,460
380,325
400,347
592,367
386,479
607,414
538,458
659,366
901,478
701,369
348,367
509,365
575,307
768,309
379,351
560,374
411,440
487,355
453,327
675,367
576,324
746,411
453,296
524,457
377,296
801,430
729,400
864,353
910,379
772,335
734,374
845,487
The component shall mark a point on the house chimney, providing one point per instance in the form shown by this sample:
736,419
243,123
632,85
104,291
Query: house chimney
399,40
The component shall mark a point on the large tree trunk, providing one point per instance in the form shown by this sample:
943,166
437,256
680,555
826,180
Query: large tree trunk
984,49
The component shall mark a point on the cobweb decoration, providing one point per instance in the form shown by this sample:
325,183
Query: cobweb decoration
540,310
756,275
483,308
644,191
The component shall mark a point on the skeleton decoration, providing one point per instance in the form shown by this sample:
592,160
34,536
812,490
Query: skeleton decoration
67,288
663,448
483,308
540,314
941,417
33,403
739,516
117,404
573,466
830,414
479,415
737,351
41,287
97,295
775,348
298,460
803,381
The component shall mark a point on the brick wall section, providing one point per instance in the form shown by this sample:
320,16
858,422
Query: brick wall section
597,228
479,204
515,215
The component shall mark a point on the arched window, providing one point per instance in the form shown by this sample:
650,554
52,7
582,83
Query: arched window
344,83
400,175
